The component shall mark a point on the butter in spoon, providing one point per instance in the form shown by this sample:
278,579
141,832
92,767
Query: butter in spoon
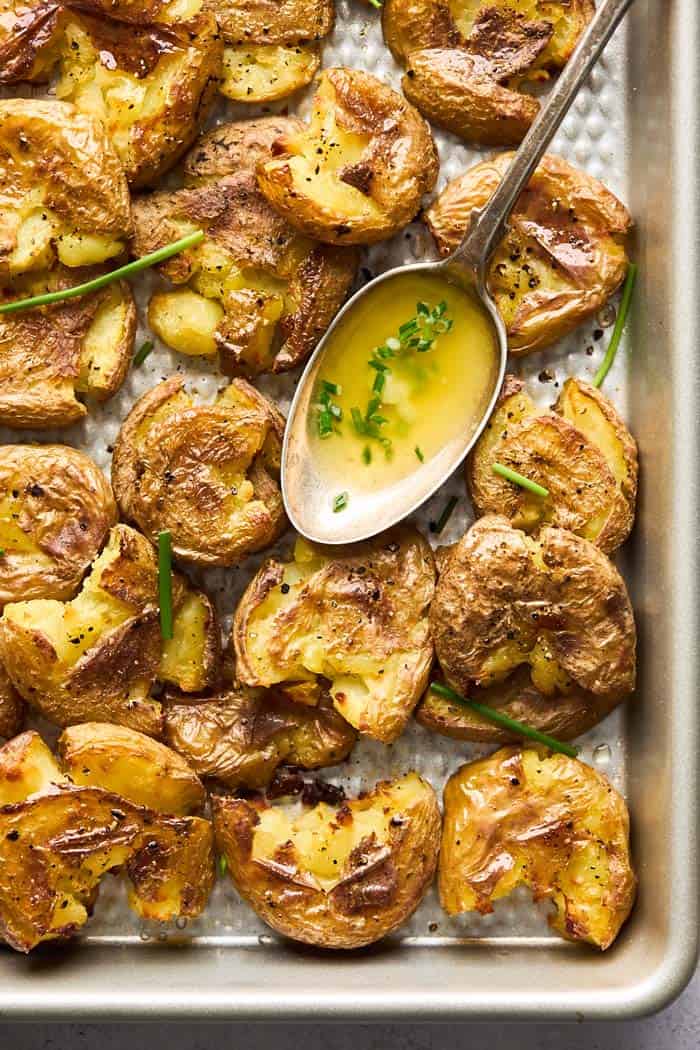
361,453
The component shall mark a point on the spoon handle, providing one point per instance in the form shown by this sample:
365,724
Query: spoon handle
488,225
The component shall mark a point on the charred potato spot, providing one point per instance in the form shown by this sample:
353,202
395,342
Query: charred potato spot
357,173
350,620
241,736
207,473
62,189
548,822
581,451
56,508
334,877
563,256
146,73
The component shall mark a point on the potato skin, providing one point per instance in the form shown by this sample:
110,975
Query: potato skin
397,166
563,256
548,821
380,887
166,466
363,608
592,485
235,147
12,708
273,21
240,737
57,521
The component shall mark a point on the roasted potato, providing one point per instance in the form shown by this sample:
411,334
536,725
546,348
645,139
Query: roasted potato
63,193
240,736
96,657
350,620
56,508
546,821
255,291
357,173
272,47
552,603
11,706
581,451
562,256
207,473
468,60
148,72
191,659
334,877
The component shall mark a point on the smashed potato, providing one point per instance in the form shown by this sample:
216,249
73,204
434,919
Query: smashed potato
334,877
467,61
147,72
11,706
350,620
207,473
581,451
551,603
255,291
56,508
239,737
548,822
562,257
357,173
95,658
63,193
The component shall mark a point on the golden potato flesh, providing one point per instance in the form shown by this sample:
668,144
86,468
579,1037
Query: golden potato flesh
334,877
54,357
467,60
207,473
241,736
56,508
581,451
257,73
147,72
357,173
551,603
191,659
355,616
545,821
27,768
11,706
562,257
63,194
127,763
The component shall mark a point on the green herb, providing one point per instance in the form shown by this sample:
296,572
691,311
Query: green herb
340,502
165,583
367,455
498,718
328,409
376,3
152,259
439,525
2,551
223,865
419,453
619,325
142,353
519,479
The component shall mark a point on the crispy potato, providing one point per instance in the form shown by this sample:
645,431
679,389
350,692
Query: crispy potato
11,706
548,822
581,451
562,257
27,768
356,616
334,877
191,659
63,193
129,764
468,60
357,173
148,72
257,292
56,508
552,603
207,473
239,737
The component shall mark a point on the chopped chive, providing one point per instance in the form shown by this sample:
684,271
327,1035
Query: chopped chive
619,325
357,421
419,453
519,479
142,353
378,384
165,583
152,259
336,411
439,525
223,865
422,308
376,3
330,388
340,502
2,551
366,454
498,718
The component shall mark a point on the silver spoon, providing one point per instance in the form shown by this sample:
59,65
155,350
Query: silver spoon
306,495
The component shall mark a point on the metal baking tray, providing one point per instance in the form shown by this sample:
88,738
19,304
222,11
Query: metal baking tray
636,127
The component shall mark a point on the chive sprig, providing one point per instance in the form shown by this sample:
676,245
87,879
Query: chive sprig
520,479
619,328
